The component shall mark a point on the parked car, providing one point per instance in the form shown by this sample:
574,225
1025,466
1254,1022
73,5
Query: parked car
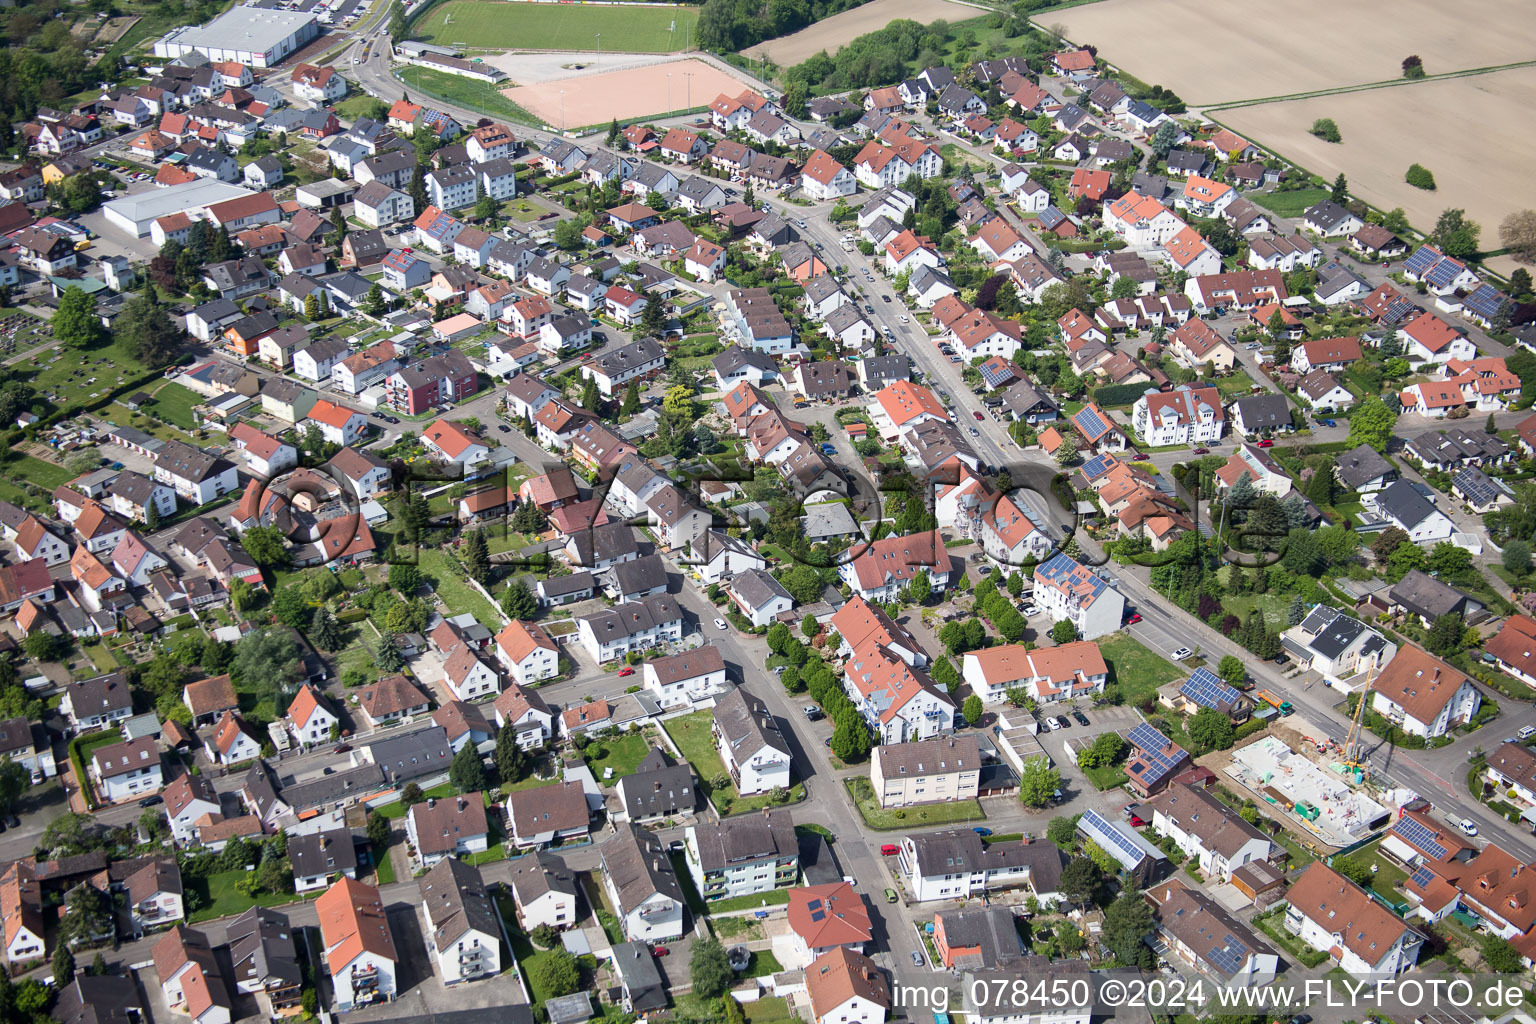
1138,822
976,414
1052,724
341,748
917,959
1140,457
503,428
890,896
1467,826
1268,442
152,800
982,831
889,850
1066,723
1080,718
660,951
1182,653
627,670
1202,451
813,713
1133,618
1527,732
719,623
1328,423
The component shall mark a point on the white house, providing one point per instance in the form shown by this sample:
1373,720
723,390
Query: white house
462,928
1066,590
187,799
127,771
1331,914
1186,415
956,864
845,987
1207,830
1423,695
544,890
527,652
750,743
358,945
715,555
899,703
642,885
447,827
338,425
525,712
680,679
1066,672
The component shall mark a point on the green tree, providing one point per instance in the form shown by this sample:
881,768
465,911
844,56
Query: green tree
1064,632
591,398
87,915
1354,869
76,323
613,131
511,762
1165,138
518,601
63,965
1455,234
1326,129
557,973
467,771
1080,881
972,709
275,876
850,737
266,546
267,664
709,968
1231,669
1371,424
1063,832
1413,66
1209,730
1127,921
567,235
1038,782
631,399
477,557
1419,176
1516,557
1066,452
326,632
809,626
1444,636
411,795
405,578
146,327
378,833
945,675
41,647
1340,190
291,609
1498,954
14,781
920,587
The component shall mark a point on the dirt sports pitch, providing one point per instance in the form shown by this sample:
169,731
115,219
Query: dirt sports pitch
631,93
506,25
831,33
1228,51
1383,133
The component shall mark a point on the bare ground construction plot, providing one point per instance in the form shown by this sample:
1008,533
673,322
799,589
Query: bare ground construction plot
1483,165
1226,52
595,99
831,33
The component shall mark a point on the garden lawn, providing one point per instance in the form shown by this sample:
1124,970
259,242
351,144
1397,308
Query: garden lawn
465,92
1105,776
173,402
900,818
384,870
1274,607
1138,671
695,739
1388,875
220,898
456,593
1289,204
621,753
35,471
639,29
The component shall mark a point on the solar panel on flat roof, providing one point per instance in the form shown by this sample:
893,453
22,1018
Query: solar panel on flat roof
1107,834
1419,835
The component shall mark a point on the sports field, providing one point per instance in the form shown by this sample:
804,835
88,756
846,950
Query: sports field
507,25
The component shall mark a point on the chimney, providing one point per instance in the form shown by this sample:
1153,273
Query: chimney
431,803
461,803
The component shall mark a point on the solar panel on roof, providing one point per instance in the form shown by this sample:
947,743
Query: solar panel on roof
1478,488
1088,419
818,915
1421,875
1229,956
1421,261
1109,835
1152,745
1419,835
1208,691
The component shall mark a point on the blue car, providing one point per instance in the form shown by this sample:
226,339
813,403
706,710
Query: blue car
827,449
1328,423
982,831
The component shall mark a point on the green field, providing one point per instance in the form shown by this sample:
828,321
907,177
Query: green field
490,25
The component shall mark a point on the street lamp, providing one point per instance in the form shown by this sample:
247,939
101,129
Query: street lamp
599,44
562,111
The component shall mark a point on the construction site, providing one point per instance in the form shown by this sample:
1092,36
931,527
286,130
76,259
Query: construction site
1320,796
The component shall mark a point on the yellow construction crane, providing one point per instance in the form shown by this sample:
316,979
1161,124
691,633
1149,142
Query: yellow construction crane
1352,752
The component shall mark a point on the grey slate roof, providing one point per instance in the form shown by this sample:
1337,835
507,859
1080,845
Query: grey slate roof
1360,466
748,838
457,902
412,755
756,588
747,724
659,787
1260,411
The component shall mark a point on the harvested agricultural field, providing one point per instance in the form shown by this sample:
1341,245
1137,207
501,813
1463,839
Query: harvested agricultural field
1221,53
1384,132
831,33
594,99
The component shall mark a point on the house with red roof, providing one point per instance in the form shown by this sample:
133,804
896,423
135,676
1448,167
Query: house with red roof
1428,339
823,918
453,443
338,424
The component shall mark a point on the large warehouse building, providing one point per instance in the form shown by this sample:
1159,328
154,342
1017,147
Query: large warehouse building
135,214
248,35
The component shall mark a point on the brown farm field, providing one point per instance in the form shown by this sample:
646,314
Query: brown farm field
594,99
1384,132
831,33
1218,53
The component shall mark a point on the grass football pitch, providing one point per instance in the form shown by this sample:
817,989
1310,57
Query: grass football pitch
492,25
